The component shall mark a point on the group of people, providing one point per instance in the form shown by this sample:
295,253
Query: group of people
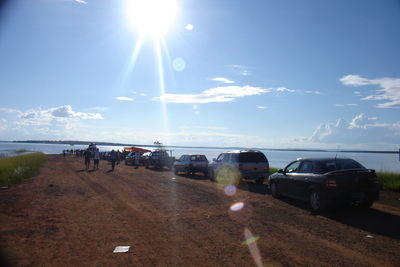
88,155
93,153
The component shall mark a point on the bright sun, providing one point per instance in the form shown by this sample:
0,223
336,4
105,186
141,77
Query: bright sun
152,17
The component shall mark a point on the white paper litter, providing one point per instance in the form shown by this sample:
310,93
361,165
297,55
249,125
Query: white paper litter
369,236
121,249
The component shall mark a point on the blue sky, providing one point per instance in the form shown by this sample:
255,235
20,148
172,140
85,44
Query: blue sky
253,73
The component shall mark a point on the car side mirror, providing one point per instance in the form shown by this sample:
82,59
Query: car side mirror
214,159
281,171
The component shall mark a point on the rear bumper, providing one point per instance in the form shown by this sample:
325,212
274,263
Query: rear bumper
355,196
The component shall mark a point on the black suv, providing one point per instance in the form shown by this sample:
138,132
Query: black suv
239,164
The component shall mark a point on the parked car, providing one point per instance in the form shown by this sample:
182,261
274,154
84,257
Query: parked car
144,157
191,164
324,182
247,164
130,158
159,159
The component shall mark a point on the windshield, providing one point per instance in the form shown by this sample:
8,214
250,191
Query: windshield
252,157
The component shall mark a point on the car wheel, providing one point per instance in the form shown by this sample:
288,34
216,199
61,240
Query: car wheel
211,175
187,171
126,163
367,204
274,190
260,180
147,165
316,202
205,173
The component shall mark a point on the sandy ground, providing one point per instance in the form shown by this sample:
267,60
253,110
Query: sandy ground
68,216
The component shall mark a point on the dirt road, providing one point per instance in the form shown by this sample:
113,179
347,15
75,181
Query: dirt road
69,216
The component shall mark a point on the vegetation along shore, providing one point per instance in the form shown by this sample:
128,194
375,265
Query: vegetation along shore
14,170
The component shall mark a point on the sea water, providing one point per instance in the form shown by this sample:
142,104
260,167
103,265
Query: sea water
278,159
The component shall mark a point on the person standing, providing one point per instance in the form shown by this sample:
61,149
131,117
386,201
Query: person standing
113,159
96,159
87,154
137,158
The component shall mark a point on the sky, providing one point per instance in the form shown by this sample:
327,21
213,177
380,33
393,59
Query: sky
244,73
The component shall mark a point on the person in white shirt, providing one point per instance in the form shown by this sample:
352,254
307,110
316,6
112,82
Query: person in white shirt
96,157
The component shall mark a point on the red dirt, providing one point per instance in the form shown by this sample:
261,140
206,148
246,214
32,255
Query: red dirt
68,216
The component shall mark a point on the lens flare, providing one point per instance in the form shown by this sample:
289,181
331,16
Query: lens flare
227,175
237,206
179,64
230,189
251,242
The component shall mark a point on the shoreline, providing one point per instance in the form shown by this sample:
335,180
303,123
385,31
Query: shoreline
73,142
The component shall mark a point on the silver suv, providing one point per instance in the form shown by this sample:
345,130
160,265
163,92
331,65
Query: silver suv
231,167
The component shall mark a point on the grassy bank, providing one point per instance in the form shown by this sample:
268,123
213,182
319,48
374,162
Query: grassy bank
14,170
389,181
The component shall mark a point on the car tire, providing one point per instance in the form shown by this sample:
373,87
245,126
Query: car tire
367,204
211,174
146,165
274,190
260,180
176,172
205,173
126,163
316,202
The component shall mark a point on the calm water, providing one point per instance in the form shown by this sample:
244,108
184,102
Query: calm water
278,159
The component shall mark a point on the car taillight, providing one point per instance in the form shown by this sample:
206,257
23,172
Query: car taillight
330,183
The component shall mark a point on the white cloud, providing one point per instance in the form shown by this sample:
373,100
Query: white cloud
9,110
354,80
124,98
389,89
138,93
313,92
361,130
222,80
261,107
217,94
61,113
346,105
284,89
60,122
81,2
189,27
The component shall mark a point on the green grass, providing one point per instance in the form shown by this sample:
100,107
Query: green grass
14,170
389,181
272,170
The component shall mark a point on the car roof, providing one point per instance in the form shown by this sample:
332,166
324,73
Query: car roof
242,151
192,155
323,159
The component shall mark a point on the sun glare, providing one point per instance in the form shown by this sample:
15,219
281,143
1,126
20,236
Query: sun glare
152,17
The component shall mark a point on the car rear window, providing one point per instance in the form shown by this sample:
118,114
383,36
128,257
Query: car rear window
252,157
338,164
